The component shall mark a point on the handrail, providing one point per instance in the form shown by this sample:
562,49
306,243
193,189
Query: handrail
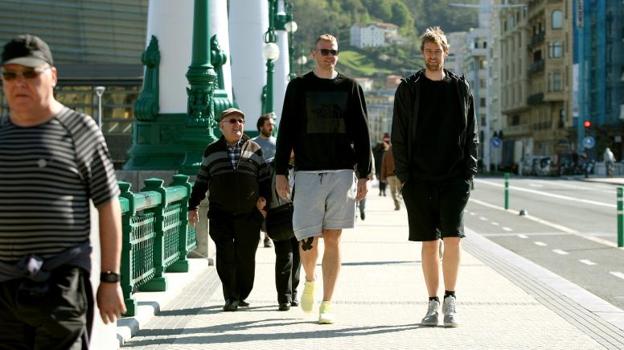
156,235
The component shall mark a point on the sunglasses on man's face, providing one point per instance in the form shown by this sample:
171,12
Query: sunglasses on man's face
327,52
235,120
27,74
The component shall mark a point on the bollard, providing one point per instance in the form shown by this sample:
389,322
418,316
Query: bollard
506,191
620,216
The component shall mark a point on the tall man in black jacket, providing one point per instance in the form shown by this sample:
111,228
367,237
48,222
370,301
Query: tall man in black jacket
434,138
324,122
238,181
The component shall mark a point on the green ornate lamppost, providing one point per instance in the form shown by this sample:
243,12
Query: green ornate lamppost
271,51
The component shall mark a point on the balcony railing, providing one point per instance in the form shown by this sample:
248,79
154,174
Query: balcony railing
537,39
516,130
535,99
536,66
156,235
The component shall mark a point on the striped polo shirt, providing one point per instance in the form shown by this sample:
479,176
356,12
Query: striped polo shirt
48,173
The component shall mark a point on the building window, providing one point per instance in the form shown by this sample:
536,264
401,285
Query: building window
555,49
482,103
554,81
482,64
537,56
557,19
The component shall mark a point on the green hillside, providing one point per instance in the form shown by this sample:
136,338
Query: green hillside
315,17
359,64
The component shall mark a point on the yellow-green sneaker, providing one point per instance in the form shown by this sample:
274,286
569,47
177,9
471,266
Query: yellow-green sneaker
326,316
307,298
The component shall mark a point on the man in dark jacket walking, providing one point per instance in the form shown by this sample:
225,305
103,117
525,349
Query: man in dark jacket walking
238,181
434,138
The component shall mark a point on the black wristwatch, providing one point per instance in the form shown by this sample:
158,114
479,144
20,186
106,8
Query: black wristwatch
109,277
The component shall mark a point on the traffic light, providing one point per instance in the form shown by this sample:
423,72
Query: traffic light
587,124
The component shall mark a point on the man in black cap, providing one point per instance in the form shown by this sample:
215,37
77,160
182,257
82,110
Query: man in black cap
54,161
238,182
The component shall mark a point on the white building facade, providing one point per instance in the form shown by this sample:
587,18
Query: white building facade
373,35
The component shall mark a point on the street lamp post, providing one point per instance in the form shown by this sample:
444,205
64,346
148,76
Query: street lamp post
301,61
99,91
291,28
271,52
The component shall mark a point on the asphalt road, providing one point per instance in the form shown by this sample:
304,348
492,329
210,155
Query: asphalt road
570,229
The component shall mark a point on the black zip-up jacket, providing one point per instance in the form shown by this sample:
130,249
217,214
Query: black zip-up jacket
232,191
405,121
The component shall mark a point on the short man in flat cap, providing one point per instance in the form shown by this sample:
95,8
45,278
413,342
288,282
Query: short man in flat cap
54,161
238,182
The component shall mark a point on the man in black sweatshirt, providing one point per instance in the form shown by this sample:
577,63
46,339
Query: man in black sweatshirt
324,122
238,181
434,143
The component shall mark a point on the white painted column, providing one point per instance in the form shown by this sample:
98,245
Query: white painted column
280,79
171,22
248,22
219,26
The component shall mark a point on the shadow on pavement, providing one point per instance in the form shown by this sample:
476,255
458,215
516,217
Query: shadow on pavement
227,333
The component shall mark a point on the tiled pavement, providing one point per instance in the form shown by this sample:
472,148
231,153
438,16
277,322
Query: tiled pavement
504,302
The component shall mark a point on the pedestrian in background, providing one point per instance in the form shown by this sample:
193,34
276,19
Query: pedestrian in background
54,160
388,176
287,259
378,152
324,121
361,204
238,182
267,142
609,160
434,143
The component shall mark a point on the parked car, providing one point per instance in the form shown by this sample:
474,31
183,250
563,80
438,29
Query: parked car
537,166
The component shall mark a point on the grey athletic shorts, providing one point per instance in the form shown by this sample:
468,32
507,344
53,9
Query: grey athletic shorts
323,200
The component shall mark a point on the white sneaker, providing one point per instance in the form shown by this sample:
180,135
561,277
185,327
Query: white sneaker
326,316
450,313
307,297
431,318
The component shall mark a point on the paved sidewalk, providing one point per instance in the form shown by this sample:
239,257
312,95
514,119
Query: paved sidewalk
504,302
616,180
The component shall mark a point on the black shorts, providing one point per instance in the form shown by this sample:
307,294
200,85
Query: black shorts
436,209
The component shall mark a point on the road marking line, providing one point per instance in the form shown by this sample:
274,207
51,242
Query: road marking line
473,214
587,262
617,274
547,223
545,194
560,252
507,229
523,236
482,218
541,244
577,185
495,223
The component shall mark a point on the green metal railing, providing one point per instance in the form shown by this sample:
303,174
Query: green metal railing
156,235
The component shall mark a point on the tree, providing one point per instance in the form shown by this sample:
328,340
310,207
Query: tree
381,10
401,15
